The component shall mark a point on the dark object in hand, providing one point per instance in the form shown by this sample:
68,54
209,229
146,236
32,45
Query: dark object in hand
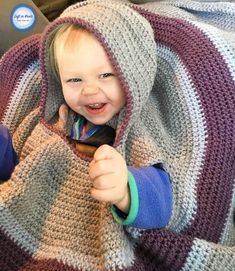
105,135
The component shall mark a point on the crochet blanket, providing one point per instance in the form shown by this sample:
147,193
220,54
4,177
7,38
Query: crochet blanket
176,64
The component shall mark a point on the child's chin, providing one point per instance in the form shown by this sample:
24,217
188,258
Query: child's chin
97,121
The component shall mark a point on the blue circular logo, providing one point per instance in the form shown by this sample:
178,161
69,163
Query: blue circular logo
23,18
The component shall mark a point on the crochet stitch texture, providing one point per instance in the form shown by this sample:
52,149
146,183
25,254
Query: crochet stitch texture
175,61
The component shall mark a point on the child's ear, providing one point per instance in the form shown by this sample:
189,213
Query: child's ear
63,116
65,119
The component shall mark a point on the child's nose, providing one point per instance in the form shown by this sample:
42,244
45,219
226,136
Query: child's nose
90,89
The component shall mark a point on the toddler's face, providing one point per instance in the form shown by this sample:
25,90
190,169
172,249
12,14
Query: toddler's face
90,85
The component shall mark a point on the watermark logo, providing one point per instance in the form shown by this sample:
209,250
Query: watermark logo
23,18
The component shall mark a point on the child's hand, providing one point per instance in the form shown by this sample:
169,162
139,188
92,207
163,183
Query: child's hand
108,170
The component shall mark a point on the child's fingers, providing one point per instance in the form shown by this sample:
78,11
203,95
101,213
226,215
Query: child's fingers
101,167
92,163
104,182
108,195
104,152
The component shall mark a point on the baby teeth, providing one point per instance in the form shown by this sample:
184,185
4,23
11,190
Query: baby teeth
95,105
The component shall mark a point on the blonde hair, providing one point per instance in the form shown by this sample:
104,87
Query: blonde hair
64,35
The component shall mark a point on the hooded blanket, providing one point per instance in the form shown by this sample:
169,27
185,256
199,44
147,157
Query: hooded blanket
176,63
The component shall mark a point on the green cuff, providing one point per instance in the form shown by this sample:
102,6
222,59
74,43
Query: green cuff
134,203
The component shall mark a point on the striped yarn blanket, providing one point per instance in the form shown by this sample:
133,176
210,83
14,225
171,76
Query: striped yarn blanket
179,79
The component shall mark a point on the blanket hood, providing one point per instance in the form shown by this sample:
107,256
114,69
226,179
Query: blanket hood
128,40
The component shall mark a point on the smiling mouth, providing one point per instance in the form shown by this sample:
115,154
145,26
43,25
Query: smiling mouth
96,106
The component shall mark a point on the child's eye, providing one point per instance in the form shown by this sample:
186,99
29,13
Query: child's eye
106,75
74,80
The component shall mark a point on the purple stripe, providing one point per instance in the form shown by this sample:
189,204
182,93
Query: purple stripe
12,256
47,265
212,79
13,64
161,250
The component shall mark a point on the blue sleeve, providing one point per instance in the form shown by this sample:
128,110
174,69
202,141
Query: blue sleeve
8,157
151,199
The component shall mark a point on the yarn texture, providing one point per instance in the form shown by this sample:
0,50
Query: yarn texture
176,63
